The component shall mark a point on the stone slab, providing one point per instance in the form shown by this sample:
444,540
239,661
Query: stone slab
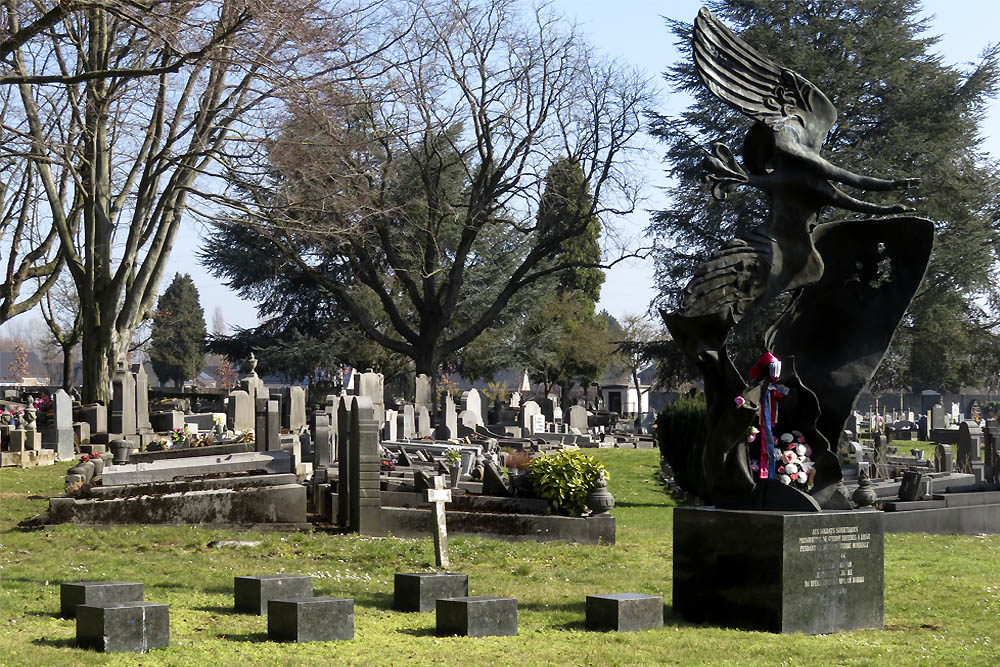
257,506
310,619
815,573
72,594
968,520
416,522
252,593
193,466
624,612
477,616
210,483
123,627
192,452
420,591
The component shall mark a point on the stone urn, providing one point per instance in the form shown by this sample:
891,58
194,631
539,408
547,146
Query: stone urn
864,495
599,500
30,415
455,473
120,450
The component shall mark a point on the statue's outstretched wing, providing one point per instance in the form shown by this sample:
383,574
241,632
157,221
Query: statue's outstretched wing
798,112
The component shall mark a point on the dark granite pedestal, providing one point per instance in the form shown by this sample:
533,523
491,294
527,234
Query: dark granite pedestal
420,591
477,616
815,572
624,612
123,627
310,619
74,593
251,594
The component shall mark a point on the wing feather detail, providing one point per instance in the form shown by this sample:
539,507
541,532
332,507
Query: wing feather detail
732,70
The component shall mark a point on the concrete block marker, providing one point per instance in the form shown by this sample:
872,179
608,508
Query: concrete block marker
123,627
310,619
421,591
478,616
76,593
624,612
251,594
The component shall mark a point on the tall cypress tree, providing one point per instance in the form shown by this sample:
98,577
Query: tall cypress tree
177,349
901,112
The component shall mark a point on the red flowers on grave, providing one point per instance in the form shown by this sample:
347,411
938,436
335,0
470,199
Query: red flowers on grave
387,465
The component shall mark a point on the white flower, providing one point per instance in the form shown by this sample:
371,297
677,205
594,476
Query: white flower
791,468
800,450
784,479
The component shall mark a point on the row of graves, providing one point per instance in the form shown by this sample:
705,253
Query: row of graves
955,490
263,460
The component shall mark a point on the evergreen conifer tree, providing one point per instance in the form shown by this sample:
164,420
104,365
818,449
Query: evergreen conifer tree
177,349
901,112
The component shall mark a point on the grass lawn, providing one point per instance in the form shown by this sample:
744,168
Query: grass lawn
942,595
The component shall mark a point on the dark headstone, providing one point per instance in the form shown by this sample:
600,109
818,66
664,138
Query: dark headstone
421,591
123,627
912,487
97,416
251,594
76,593
814,573
970,440
478,616
310,619
624,612
162,422
944,458
122,402
494,483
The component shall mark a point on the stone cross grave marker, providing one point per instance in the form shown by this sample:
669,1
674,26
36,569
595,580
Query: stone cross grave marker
438,496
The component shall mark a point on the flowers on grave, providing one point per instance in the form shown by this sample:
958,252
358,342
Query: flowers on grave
179,435
43,403
85,457
793,465
387,465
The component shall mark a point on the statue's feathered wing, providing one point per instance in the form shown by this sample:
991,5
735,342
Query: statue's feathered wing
797,111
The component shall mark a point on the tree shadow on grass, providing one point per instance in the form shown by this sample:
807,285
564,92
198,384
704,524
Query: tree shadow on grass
631,504
47,614
252,637
215,609
575,606
65,642
374,600
419,632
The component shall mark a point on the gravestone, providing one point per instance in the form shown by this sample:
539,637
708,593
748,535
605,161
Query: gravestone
991,455
267,423
472,402
239,411
407,423
937,417
578,418
923,430
141,379
970,440
122,420
60,435
423,392
323,455
423,422
365,487
537,424
251,594
167,421
528,410
420,591
913,487
548,408
515,400
477,616
779,571
448,427
390,427
944,459
370,384
343,462
75,593
332,408
310,619
123,627
293,406
624,612
494,481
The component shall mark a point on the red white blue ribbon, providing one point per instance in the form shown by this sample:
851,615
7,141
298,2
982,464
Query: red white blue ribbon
769,367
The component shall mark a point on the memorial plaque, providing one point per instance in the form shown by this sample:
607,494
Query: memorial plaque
814,573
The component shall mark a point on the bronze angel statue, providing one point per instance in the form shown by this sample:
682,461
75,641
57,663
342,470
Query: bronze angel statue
851,281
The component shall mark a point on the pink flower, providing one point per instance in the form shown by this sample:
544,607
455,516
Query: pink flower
781,469
740,401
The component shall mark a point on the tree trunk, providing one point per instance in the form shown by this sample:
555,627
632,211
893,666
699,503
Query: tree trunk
96,378
67,368
638,392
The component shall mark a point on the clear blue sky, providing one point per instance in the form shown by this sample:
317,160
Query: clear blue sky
633,31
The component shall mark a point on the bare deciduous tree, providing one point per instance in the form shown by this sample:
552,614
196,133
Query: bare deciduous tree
118,112
408,191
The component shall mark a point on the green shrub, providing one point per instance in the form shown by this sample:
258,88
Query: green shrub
564,479
681,429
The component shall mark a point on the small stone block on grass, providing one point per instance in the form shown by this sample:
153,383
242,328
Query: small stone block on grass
76,593
251,594
123,627
624,612
310,619
421,591
477,616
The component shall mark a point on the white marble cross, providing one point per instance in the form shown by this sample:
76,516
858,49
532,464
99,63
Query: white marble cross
440,495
